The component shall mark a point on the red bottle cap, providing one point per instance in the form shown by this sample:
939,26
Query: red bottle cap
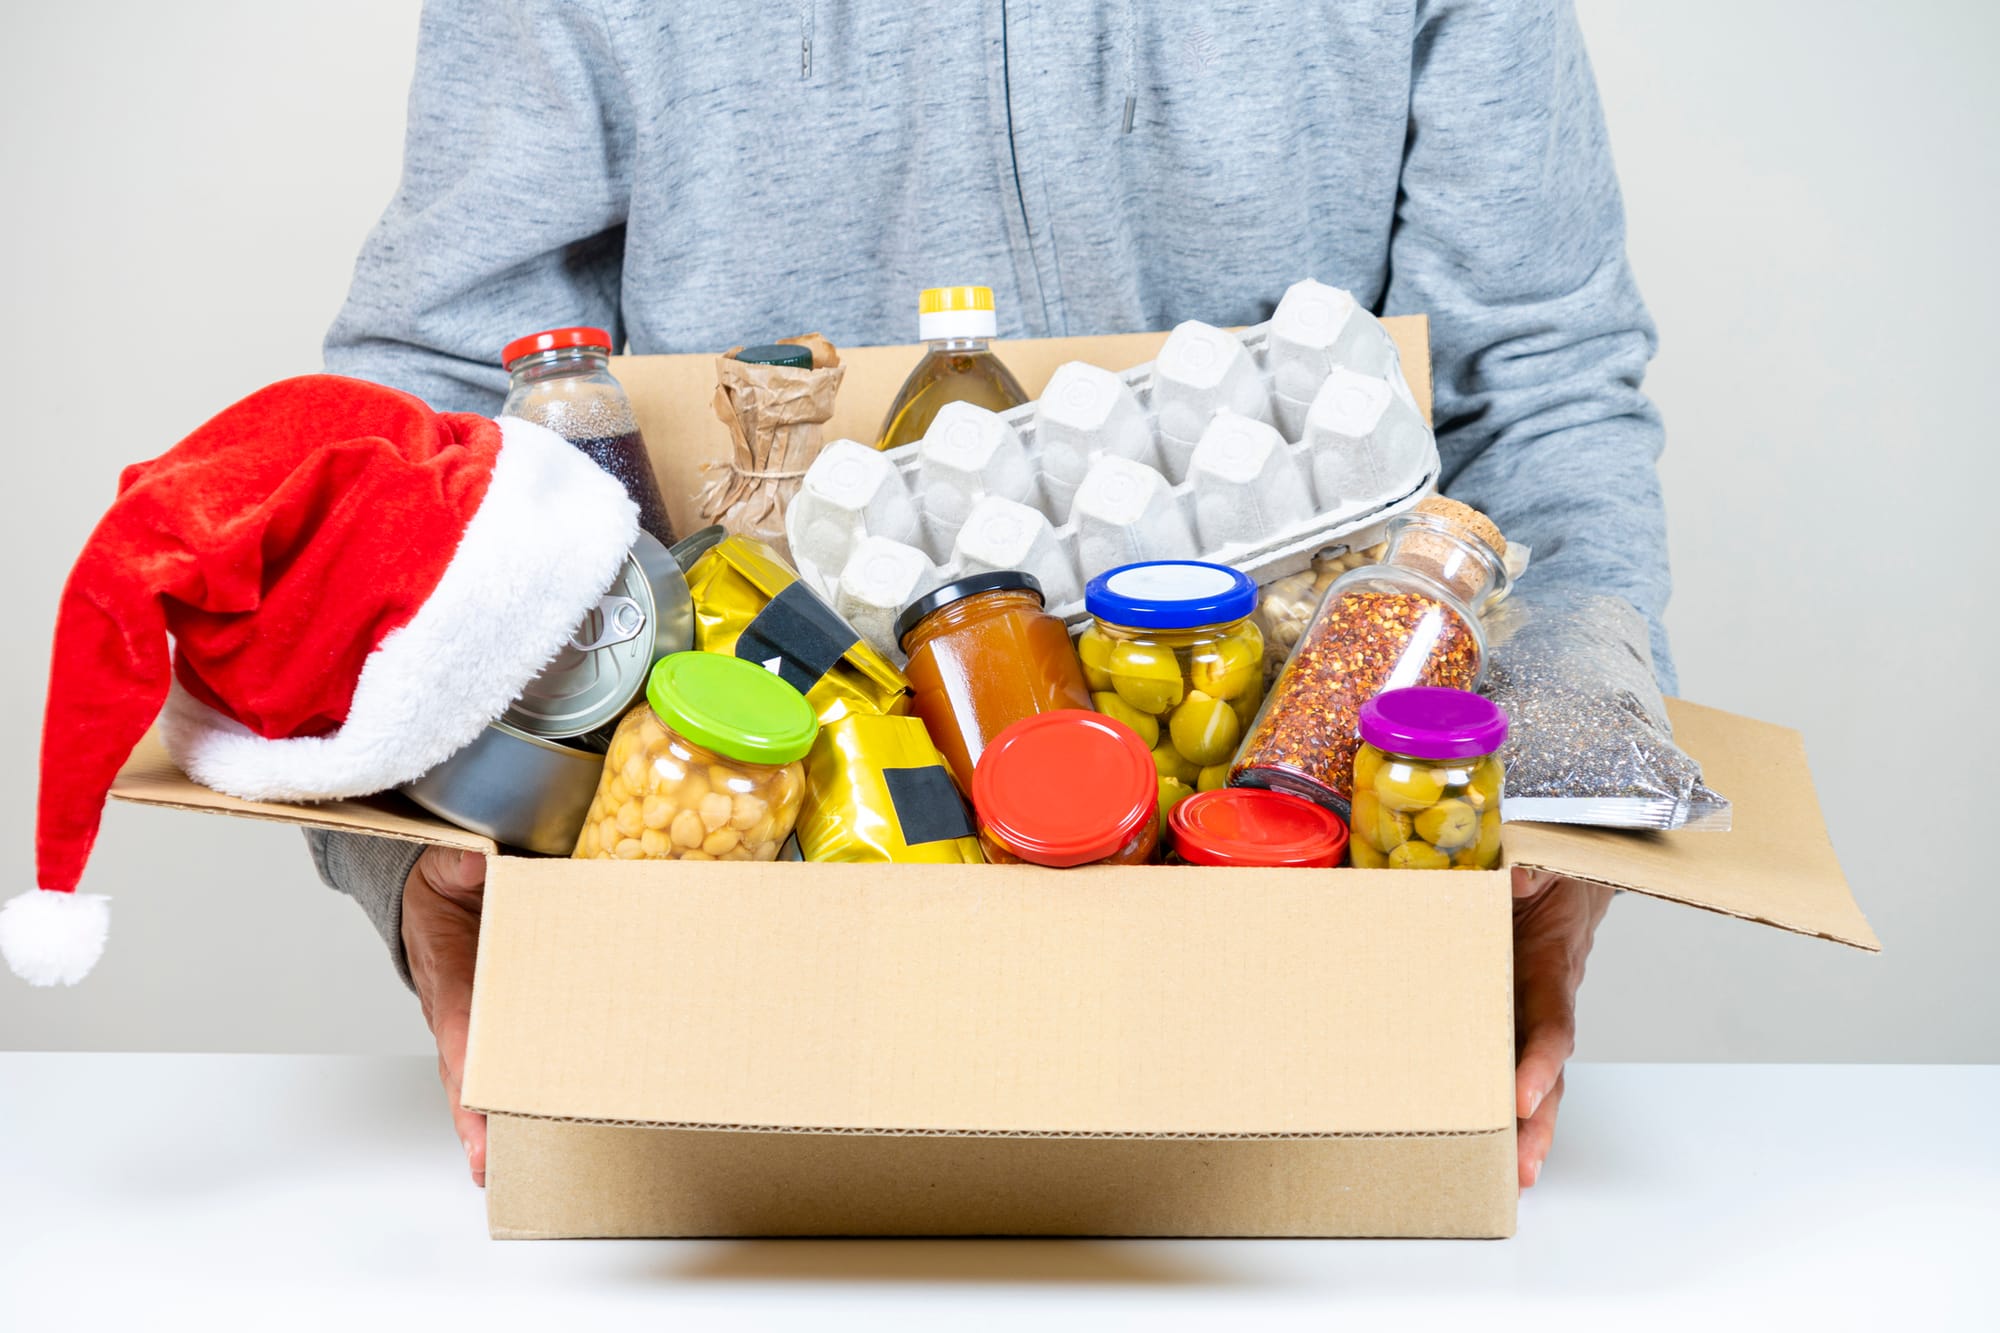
1248,826
550,339
1065,788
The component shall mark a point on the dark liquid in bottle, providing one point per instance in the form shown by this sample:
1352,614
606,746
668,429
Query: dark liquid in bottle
624,457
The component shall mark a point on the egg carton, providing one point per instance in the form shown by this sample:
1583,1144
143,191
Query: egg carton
1256,449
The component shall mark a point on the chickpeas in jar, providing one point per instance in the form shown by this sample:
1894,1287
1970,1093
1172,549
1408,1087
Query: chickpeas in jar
1427,782
1172,653
709,768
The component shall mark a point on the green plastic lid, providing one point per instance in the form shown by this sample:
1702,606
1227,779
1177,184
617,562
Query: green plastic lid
733,707
778,354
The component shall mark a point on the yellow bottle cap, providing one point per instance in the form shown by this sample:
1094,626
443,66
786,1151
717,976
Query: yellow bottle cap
935,300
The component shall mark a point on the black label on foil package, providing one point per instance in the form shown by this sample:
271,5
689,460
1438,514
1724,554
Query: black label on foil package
928,806
798,636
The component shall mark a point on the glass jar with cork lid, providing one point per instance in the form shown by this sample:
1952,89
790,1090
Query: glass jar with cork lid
1411,620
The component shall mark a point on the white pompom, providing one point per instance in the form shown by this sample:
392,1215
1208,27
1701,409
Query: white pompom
50,938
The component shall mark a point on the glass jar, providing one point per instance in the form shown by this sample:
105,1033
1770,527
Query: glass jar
1427,781
1411,620
1243,826
561,378
1171,653
984,655
1067,788
708,768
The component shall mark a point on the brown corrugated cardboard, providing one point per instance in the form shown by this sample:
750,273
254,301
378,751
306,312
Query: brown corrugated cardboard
825,1049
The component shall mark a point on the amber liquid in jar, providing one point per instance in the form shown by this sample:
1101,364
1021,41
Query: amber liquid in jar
984,662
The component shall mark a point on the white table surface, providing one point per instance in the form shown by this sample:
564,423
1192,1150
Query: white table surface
234,1191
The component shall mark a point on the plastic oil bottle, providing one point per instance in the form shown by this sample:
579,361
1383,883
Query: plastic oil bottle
958,366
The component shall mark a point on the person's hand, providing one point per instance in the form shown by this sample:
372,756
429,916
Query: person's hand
1554,922
441,902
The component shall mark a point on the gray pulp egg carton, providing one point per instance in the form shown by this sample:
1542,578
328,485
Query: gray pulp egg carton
1255,450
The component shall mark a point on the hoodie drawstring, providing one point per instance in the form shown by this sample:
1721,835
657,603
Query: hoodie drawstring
1131,67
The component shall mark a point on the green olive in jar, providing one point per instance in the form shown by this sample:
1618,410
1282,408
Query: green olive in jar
1363,857
1172,792
1407,787
1381,828
1483,854
1171,763
1109,704
1093,649
1229,667
1448,825
1416,854
1212,777
1204,729
1146,676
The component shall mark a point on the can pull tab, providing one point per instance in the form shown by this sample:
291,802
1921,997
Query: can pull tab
616,620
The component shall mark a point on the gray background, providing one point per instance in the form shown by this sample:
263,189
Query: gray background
1812,198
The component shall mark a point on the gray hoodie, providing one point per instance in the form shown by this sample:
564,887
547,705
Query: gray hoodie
692,176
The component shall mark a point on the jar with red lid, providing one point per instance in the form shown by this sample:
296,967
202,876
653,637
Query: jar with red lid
561,378
1067,788
1249,826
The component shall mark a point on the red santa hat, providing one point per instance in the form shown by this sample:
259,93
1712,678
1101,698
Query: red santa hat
354,586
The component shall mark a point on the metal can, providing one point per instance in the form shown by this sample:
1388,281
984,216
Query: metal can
516,789
646,614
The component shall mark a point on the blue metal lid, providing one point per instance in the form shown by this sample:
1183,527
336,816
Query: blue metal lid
1171,594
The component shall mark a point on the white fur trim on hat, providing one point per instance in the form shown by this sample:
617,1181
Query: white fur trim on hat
545,544
53,938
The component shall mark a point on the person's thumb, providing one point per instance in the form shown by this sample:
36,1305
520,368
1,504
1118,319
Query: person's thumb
452,869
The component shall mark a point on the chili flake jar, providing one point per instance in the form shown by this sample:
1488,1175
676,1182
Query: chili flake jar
1243,826
1067,788
1427,781
706,769
983,655
1411,620
1172,654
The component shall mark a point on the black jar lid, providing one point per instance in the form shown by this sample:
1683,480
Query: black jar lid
778,354
999,580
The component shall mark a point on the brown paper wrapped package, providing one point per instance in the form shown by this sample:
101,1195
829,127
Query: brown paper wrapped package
774,415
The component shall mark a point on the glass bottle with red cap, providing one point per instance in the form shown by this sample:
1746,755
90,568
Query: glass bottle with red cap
561,378
1067,788
1427,781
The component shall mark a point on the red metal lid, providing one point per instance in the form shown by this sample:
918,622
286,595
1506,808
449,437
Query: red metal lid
550,339
1248,826
1065,788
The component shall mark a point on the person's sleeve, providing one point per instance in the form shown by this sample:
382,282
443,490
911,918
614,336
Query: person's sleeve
510,213
371,871
1510,235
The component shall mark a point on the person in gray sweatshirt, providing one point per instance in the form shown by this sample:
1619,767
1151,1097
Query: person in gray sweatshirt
696,176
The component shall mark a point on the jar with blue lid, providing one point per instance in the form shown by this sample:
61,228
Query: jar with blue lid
1172,653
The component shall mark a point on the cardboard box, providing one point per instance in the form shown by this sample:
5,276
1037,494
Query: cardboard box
914,1050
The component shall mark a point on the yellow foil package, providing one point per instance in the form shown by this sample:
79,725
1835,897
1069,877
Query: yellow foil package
877,790
749,602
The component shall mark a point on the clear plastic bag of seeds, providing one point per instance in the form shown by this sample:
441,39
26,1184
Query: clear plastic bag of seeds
1589,739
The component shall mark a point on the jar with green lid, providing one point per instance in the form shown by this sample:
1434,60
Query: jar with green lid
709,768
1172,653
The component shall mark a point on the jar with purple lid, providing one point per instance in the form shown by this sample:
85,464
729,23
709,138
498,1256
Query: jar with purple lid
1427,781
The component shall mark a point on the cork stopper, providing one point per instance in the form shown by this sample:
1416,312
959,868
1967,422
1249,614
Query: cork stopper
1465,518
1472,577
